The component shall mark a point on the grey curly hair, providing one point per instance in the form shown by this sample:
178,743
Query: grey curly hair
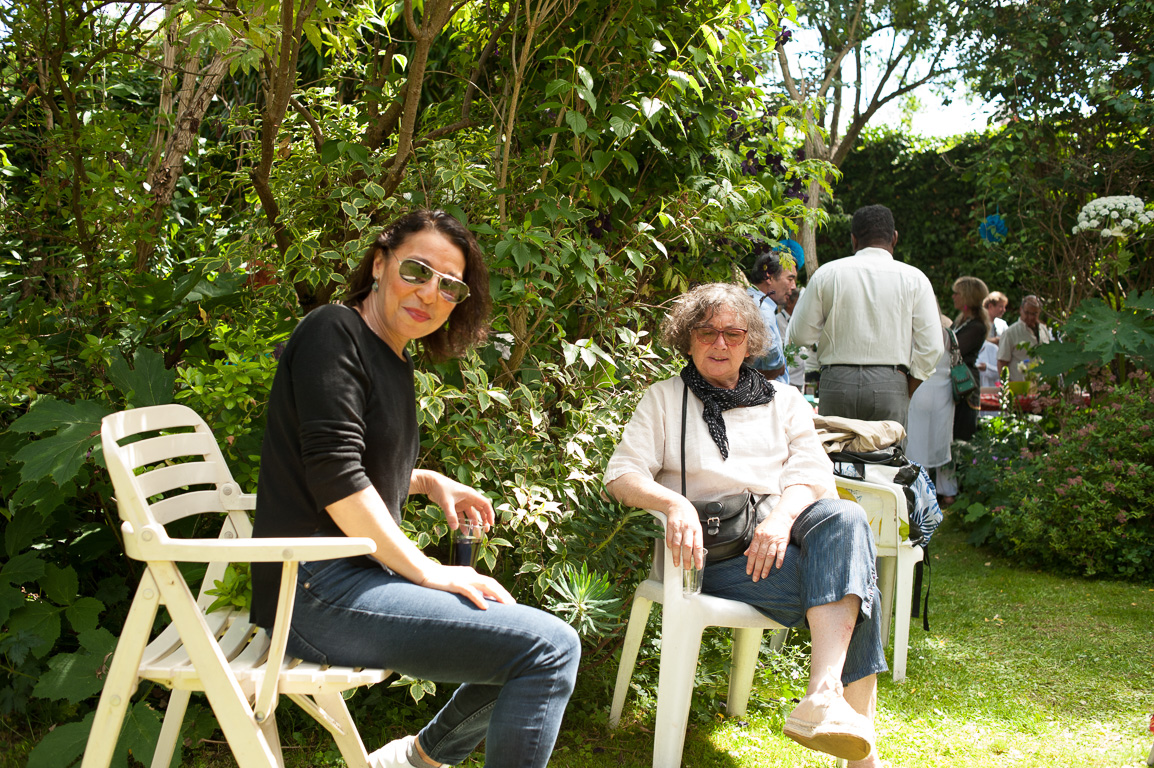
697,306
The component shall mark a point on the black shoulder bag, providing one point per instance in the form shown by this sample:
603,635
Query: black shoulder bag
727,525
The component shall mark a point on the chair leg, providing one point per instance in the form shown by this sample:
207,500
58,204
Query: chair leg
121,681
680,646
170,730
746,646
272,736
777,642
904,602
634,632
346,735
249,745
887,574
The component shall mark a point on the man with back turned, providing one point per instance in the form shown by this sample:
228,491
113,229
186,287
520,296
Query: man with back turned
875,323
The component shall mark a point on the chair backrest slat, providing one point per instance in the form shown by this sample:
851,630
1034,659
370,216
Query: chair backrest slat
163,448
178,507
176,476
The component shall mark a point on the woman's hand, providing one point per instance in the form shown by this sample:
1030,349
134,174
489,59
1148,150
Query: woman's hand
770,540
456,499
683,533
464,581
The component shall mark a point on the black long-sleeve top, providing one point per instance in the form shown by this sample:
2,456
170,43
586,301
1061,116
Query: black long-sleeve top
971,335
342,416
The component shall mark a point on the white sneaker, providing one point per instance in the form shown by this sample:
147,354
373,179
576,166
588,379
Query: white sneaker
395,754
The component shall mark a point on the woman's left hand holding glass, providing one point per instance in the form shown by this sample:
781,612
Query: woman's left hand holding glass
456,499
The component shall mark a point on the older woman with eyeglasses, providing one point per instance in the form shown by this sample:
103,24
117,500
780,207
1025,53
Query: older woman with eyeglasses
339,458
811,560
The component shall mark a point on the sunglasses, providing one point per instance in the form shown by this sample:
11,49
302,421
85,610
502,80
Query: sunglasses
416,272
708,335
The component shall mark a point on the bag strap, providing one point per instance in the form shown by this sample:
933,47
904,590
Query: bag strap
684,410
955,350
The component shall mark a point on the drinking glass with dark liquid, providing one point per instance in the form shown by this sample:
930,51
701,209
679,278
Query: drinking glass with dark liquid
466,544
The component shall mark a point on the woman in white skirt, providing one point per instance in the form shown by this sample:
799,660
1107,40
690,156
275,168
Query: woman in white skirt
931,425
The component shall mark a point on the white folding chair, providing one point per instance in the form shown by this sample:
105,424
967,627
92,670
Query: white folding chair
682,621
885,505
165,465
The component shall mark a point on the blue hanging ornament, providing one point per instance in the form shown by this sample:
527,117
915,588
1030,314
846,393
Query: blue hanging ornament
993,228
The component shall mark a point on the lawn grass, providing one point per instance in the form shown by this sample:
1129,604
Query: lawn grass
1021,668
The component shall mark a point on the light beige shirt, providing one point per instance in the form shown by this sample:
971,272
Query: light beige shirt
1020,333
870,309
771,446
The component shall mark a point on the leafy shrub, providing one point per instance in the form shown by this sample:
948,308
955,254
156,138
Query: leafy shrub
1070,493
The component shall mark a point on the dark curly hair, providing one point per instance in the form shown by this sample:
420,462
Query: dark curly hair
697,306
468,325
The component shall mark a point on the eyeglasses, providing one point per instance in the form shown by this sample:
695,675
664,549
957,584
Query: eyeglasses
707,335
416,272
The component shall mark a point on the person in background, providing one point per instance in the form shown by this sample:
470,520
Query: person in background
772,280
995,304
971,327
339,458
988,364
812,557
1017,343
874,321
796,365
931,428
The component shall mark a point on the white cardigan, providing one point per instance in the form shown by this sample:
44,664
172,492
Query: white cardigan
771,446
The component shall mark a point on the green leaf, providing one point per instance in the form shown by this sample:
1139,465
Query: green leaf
22,569
74,677
622,128
84,614
650,107
11,598
330,151
576,121
24,528
586,77
60,585
558,86
147,383
141,731
62,746
61,455
627,160
39,619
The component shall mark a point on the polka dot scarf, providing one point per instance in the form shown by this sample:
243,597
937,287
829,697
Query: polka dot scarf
751,389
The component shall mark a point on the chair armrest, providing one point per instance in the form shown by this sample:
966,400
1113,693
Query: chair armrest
152,543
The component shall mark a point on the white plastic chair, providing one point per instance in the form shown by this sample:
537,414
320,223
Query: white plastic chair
682,621
885,505
165,465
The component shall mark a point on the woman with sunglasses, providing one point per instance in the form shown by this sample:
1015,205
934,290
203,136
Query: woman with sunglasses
339,458
720,429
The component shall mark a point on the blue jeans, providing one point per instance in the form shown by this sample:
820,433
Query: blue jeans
831,555
869,392
517,664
